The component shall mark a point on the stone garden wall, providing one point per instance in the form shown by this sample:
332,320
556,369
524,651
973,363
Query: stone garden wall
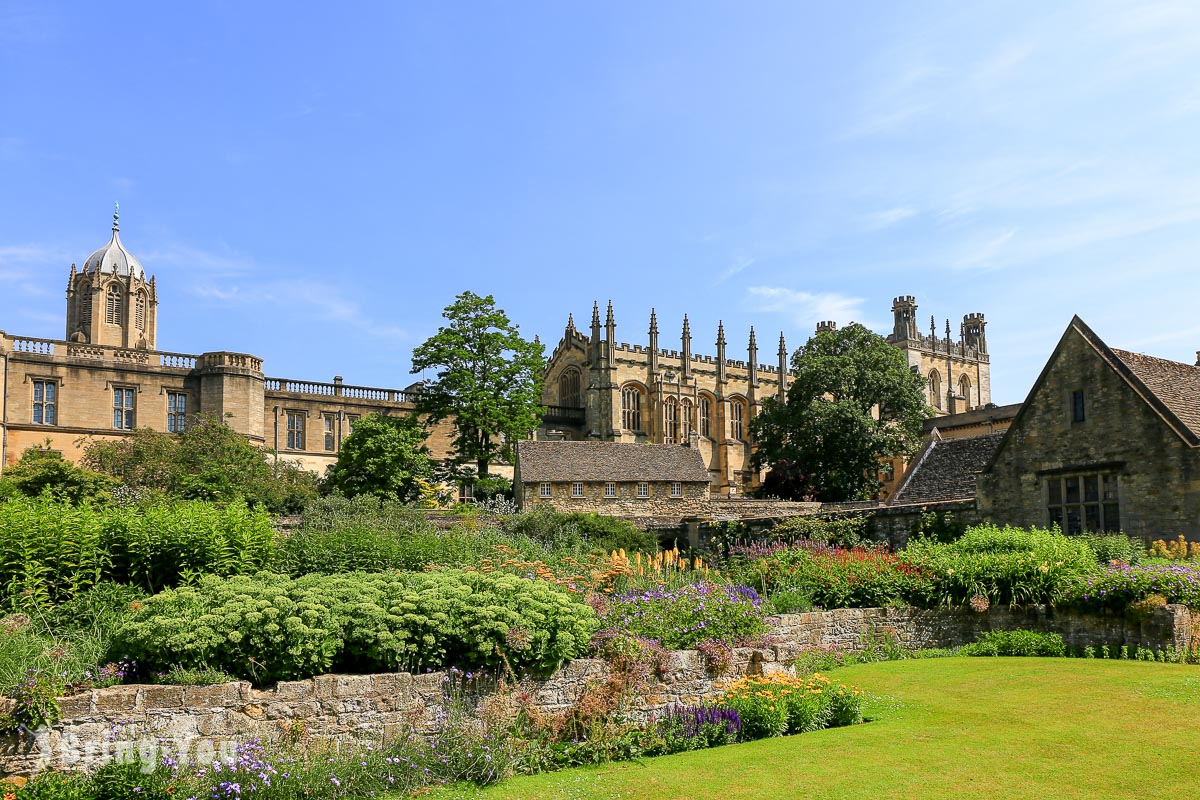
206,721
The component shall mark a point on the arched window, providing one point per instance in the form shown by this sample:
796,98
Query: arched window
139,316
737,419
685,421
568,389
964,389
935,389
85,306
705,417
112,306
670,421
631,408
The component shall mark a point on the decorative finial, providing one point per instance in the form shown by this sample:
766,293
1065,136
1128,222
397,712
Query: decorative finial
782,345
595,313
720,333
116,216
570,321
687,327
753,343
609,319
932,327
653,321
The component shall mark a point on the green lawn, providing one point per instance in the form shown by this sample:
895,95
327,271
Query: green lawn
945,728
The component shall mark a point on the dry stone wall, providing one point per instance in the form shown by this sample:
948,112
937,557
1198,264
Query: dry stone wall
206,721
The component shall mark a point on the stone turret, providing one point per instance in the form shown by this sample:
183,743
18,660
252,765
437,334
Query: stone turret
829,326
972,332
904,315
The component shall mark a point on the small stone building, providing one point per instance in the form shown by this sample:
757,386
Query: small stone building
1107,440
614,478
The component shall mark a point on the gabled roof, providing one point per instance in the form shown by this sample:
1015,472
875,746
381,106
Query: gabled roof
608,461
1175,384
1170,388
976,416
946,470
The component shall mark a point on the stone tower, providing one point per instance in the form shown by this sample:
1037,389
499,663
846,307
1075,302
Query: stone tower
958,372
109,301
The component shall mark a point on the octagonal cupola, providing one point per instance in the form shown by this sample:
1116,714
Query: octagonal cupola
109,301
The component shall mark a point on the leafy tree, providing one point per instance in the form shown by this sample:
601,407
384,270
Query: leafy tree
385,457
853,401
44,471
208,461
488,378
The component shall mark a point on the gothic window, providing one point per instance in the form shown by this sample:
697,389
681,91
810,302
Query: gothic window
964,389
45,402
935,389
737,419
685,421
176,412
85,307
705,417
139,316
568,389
1084,502
112,306
671,421
631,408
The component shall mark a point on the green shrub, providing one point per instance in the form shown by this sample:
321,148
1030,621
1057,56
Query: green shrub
595,532
1006,565
366,549
50,551
779,704
847,532
1110,547
45,472
268,627
1016,643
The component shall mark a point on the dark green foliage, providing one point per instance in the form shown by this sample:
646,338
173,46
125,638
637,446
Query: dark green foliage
486,488
593,531
835,531
488,379
1005,565
50,551
385,457
268,627
209,461
1016,643
825,434
355,548
1110,547
45,472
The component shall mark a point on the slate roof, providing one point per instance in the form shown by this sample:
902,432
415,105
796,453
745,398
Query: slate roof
976,416
1175,384
608,461
946,470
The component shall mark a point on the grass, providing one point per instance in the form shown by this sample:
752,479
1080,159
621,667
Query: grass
943,728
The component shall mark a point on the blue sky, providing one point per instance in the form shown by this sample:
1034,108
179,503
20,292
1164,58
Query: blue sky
313,183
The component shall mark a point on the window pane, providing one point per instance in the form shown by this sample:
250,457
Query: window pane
1074,523
1073,489
51,388
37,391
49,415
1091,517
1112,518
1056,517
37,413
1056,491
1110,488
1091,488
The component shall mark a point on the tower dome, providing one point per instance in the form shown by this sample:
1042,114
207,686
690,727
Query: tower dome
113,258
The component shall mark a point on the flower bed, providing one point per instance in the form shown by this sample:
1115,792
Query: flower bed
682,618
1117,585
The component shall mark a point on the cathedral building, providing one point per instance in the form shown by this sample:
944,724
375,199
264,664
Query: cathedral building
106,377
603,389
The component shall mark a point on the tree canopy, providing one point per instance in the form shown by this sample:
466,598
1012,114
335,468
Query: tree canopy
853,401
208,461
489,379
385,457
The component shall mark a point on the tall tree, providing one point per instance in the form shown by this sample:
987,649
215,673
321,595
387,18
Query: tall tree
852,402
489,379
385,457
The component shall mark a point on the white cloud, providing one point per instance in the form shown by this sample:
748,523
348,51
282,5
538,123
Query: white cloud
739,263
309,298
805,308
890,217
